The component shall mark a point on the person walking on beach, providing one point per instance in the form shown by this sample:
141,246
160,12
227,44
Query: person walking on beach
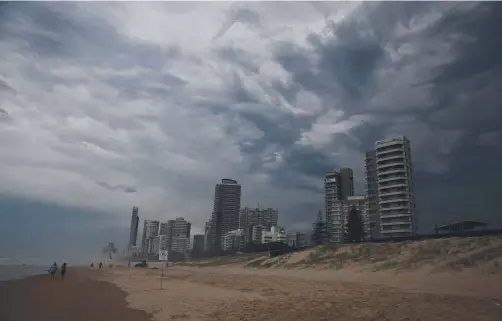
63,270
53,269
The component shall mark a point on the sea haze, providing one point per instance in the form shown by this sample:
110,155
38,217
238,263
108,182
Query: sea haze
13,272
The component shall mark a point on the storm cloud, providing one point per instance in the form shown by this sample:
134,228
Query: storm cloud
165,99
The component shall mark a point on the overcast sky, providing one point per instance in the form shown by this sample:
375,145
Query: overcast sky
104,106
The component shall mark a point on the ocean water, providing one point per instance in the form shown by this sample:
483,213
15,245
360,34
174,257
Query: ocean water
14,272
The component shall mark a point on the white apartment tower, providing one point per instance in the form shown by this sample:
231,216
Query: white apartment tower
150,231
396,198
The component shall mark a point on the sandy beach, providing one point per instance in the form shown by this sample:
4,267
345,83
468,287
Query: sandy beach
239,293
439,280
78,298
235,293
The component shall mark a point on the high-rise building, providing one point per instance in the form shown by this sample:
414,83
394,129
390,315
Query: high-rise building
133,232
346,183
176,228
250,217
159,243
396,195
255,233
207,236
198,244
372,194
233,240
337,186
150,231
181,244
339,217
164,227
225,217
258,216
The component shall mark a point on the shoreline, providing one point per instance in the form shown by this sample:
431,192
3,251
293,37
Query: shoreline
80,297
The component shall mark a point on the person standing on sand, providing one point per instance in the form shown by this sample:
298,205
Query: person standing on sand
53,269
63,270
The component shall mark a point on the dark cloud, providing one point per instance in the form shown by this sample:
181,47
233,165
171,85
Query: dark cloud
428,70
462,94
120,187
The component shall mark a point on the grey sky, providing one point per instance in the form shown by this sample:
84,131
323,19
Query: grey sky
108,105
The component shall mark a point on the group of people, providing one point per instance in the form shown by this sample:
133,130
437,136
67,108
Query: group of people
54,268
100,265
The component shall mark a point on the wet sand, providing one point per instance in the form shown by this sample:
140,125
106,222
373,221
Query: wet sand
78,298
233,293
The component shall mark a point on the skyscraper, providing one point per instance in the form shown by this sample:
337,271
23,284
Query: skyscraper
396,195
164,227
207,236
346,183
253,217
225,217
258,216
372,194
133,232
150,231
339,217
337,187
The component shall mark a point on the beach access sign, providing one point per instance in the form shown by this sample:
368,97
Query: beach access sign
163,255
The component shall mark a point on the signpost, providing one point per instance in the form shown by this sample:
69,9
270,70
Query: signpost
163,258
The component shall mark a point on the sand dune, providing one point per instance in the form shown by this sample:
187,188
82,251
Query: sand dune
454,279
441,255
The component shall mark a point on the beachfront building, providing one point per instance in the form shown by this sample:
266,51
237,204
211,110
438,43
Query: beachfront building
198,244
256,232
207,236
226,207
159,243
396,197
150,231
297,239
233,240
276,234
258,216
371,181
176,228
339,217
180,244
133,230
263,218
337,186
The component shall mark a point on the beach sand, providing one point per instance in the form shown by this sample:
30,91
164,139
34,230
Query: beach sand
236,293
77,298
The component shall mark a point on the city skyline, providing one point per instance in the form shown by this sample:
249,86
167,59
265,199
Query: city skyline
387,208
108,106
